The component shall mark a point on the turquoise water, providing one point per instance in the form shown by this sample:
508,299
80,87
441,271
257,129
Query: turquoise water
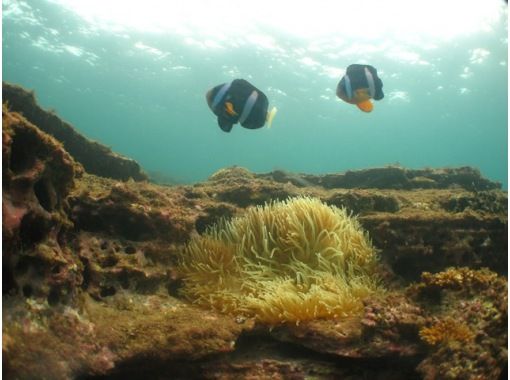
135,77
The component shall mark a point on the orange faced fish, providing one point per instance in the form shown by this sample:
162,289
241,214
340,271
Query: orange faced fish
239,102
360,84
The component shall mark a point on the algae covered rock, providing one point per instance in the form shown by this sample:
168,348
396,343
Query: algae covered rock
466,331
38,175
394,177
95,157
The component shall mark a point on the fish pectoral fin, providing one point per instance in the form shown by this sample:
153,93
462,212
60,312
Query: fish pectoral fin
365,106
229,108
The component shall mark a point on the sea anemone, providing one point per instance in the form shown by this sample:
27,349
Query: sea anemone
288,261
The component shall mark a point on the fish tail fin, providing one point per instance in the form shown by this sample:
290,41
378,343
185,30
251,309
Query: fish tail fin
366,106
270,116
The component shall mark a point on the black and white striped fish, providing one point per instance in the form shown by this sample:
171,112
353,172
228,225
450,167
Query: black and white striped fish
239,102
360,84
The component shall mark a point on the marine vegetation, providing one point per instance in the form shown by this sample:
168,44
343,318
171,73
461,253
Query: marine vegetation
459,278
288,261
446,331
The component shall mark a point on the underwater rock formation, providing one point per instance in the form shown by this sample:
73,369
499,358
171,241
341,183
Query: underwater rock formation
96,158
92,287
467,333
392,177
38,175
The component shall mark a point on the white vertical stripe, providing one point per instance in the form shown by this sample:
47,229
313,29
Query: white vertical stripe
248,106
348,87
220,94
370,80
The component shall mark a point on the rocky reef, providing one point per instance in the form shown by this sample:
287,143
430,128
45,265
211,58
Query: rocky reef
91,288
96,158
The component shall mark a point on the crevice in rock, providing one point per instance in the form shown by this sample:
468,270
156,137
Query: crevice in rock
45,194
22,152
54,296
33,229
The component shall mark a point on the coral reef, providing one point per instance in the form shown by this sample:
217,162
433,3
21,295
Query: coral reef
288,261
92,286
467,328
96,158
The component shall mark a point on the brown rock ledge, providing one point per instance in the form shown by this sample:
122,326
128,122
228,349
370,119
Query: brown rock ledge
96,158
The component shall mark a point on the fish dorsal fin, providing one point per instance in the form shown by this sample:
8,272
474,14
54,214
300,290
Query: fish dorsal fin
270,116
366,106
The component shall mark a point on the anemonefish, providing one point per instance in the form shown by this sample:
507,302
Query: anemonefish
360,84
239,102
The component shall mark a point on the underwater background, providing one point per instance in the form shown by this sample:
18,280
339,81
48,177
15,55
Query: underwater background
133,76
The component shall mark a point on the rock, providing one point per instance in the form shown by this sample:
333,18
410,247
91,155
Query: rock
38,175
130,210
466,326
413,242
96,158
391,177
127,334
363,201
